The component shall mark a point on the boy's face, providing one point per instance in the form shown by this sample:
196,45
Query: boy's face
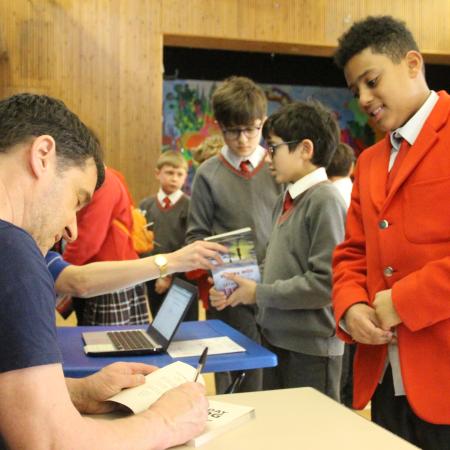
288,166
170,178
242,140
388,92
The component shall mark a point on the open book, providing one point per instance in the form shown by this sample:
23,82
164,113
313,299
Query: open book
240,259
221,416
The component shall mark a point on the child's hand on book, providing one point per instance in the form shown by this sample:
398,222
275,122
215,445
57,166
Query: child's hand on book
245,294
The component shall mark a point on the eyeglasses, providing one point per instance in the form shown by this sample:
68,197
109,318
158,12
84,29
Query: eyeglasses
235,133
272,148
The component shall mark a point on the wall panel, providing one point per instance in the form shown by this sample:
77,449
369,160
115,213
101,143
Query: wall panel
104,57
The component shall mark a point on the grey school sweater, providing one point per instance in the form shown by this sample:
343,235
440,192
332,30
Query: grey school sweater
169,225
224,200
294,299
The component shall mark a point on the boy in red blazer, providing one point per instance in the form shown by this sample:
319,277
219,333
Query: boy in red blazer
392,273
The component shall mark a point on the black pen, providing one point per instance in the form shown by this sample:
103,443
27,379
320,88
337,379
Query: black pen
201,363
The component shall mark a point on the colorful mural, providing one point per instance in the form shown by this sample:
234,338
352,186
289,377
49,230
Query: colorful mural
188,117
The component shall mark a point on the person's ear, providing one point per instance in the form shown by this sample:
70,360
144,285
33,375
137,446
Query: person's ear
307,149
42,154
414,62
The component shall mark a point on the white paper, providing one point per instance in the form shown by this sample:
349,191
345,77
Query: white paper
195,347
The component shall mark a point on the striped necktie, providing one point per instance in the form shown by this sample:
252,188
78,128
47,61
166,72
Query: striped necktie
167,202
404,146
245,166
287,203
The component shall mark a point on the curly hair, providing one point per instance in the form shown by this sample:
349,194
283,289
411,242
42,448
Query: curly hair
382,34
24,116
306,120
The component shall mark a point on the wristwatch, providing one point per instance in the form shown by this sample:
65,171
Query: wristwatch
162,264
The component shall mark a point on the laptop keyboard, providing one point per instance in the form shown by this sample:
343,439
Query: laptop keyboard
130,340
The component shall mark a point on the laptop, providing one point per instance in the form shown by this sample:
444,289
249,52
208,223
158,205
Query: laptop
156,338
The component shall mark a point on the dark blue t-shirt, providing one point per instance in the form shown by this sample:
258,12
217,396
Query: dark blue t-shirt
55,264
27,303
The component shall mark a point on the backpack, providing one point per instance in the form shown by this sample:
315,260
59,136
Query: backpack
141,236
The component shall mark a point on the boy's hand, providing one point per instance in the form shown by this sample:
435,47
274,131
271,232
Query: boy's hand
384,308
364,326
162,284
245,294
218,299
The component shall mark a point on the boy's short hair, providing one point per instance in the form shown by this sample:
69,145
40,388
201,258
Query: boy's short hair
173,159
382,34
239,101
210,147
306,120
342,161
26,116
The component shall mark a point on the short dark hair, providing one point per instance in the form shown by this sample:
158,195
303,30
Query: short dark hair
306,120
239,101
24,116
382,34
341,162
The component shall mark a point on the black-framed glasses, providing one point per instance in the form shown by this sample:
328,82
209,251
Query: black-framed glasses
234,133
272,148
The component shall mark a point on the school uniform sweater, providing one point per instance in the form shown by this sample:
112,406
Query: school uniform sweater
169,225
223,199
294,299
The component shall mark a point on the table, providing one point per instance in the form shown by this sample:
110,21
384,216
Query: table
301,418
77,364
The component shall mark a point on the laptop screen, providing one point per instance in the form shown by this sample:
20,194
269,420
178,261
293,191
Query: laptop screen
172,309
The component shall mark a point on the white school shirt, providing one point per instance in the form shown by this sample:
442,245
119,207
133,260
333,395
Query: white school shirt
235,160
306,182
174,197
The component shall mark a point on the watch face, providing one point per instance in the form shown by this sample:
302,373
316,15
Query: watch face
160,260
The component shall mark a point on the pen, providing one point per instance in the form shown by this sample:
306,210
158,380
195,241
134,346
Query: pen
201,363
236,383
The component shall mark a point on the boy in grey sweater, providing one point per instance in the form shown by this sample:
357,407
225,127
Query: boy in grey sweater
235,190
294,298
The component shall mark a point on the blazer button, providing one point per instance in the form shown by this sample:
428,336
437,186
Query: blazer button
388,271
383,224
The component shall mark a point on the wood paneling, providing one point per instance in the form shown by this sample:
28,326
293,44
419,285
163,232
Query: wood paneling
104,57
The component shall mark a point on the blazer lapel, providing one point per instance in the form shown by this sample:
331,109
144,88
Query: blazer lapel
379,173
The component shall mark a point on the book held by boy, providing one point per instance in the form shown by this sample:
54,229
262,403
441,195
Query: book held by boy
222,416
240,259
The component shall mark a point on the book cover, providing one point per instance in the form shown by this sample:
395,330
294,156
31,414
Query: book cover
222,417
240,259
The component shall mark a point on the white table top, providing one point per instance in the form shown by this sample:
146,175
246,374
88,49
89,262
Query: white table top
303,419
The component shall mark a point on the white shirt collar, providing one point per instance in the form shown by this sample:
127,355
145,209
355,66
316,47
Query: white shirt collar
411,129
302,185
255,158
174,197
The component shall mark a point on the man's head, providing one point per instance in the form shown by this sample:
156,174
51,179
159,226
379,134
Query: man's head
240,108
60,165
301,137
384,69
171,171
342,163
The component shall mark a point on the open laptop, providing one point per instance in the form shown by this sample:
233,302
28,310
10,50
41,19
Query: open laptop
156,338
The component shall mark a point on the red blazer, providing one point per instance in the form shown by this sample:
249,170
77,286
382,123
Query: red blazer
98,238
416,244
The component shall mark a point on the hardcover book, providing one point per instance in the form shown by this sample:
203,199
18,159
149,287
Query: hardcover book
222,416
240,259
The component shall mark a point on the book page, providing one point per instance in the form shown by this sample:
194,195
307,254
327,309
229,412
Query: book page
139,398
195,347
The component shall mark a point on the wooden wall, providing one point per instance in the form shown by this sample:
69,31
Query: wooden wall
104,57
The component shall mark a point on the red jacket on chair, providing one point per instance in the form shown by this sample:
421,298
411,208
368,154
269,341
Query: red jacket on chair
402,241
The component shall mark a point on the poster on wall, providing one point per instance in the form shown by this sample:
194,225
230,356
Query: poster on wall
188,118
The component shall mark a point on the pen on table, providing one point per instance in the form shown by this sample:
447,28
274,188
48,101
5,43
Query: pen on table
201,363
234,386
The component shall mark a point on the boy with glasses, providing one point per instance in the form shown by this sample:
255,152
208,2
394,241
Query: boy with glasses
294,298
235,190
